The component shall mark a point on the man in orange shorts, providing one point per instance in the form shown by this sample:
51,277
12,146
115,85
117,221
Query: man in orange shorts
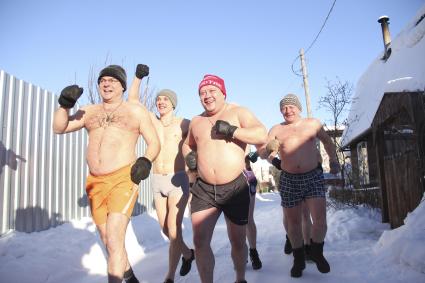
114,192
114,127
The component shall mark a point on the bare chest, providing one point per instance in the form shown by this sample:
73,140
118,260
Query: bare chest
204,127
292,136
169,135
120,119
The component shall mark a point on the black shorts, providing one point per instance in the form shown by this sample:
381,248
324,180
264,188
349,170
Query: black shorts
231,198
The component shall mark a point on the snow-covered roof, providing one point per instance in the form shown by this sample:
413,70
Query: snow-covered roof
332,127
404,71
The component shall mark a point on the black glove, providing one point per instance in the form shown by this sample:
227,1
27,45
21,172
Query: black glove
276,163
140,170
224,128
69,96
190,160
142,71
253,156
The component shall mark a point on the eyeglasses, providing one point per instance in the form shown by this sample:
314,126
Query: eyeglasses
103,81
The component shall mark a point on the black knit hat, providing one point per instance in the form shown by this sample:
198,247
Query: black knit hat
114,71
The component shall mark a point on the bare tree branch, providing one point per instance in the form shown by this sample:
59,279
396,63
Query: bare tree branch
336,101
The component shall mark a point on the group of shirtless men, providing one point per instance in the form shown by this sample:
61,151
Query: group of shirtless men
201,160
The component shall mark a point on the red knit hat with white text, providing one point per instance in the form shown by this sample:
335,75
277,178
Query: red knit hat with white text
213,80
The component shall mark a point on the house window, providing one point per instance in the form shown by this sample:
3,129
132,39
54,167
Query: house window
362,163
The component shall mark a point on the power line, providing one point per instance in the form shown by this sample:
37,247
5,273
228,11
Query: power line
314,40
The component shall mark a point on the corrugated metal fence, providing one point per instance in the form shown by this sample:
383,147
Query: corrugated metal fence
42,175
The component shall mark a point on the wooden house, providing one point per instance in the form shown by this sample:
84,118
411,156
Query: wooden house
387,122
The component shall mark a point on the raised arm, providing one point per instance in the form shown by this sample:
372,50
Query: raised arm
147,130
62,121
251,130
141,72
330,150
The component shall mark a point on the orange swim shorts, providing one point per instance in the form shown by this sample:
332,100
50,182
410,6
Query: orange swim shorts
113,192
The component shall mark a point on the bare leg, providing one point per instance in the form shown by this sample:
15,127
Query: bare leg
237,235
293,216
102,231
251,228
116,226
176,206
203,223
317,207
288,246
161,212
306,223
285,221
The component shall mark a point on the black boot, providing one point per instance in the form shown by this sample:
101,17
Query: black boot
299,262
255,259
129,276
316,255
307,251
187,263
288,246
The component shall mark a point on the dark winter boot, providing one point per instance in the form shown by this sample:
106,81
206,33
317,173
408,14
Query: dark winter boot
255,259
187,264
307,251
288,246
129,276
299,262
316,255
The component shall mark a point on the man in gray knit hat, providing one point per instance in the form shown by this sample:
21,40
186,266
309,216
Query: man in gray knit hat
302,178
170,183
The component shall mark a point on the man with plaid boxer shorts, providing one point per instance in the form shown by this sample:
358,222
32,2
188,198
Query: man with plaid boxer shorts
301,178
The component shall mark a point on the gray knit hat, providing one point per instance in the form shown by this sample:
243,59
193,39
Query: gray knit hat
172,96
290,99
114,71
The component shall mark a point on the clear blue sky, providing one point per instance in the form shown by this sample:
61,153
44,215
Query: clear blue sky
251,44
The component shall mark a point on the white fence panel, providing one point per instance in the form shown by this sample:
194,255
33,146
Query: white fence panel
43,175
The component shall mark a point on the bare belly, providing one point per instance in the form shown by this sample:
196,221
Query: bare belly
110,150
298,163
221,169
165,165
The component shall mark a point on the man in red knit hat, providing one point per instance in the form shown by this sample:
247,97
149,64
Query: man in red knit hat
215,149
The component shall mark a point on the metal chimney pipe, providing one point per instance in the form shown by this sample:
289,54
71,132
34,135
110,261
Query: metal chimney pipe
385,21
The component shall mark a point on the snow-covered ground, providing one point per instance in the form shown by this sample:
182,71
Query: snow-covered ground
359,249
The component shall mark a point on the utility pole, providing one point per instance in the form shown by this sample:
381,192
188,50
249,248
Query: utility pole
305,80
307,95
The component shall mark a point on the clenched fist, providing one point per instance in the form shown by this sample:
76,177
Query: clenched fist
225,129
272,146
69,96
142,71
140,170
191,161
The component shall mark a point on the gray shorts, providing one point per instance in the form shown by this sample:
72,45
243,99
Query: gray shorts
294,188
166,185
